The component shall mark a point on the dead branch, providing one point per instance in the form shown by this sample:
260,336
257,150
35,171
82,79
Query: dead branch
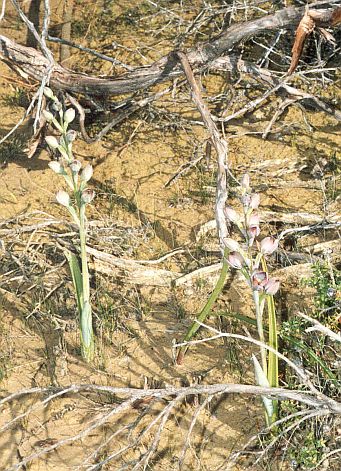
220,146
311,20
33,64
172,395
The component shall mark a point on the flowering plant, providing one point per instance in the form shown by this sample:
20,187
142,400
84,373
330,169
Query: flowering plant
76,179
249,258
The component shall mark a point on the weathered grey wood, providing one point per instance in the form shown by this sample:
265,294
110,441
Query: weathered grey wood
34,64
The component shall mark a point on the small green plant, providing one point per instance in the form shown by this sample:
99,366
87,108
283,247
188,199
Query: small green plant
326,280
76,178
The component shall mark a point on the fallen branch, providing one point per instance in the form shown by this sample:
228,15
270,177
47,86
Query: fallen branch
34,64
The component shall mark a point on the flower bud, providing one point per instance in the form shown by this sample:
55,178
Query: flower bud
63,198
254,201
235,260
69,115
75,166
88,195
268,245
48,93
48,116
272,286
231,214
86,173
52,142
245,181
231,244
56,167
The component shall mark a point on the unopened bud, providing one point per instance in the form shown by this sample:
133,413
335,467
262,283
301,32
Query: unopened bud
52,142
87,173
245,181
88,195
254,201
231,214
56,166
48,93
231,244
69,115
63,198
48,116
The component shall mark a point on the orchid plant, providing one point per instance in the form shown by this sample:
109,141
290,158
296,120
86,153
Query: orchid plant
250,258
76,179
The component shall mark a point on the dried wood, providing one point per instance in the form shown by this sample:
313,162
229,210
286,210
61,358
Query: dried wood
34,64
131,271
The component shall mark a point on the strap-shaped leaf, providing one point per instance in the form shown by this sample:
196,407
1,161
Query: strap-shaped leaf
76,278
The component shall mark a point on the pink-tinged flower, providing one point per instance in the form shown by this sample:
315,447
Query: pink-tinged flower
268,245
272,286
75,166
245,181
235,260
63,198
88,195
87,173
253,220
259,279
254,201
231,244
231,214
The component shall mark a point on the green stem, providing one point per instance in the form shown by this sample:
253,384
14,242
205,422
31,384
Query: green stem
205,311
259,319
86,314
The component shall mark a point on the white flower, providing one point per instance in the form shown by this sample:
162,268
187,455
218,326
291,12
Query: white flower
63,198
52,142
88,195
75,166
231,215
48,93
48,116
69,115
87,173
231,244
56,166
245,181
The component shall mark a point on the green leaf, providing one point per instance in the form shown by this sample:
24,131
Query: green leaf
76,278
273,342
262,380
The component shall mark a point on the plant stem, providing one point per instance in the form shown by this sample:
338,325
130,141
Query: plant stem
85,314
259,319
205,311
